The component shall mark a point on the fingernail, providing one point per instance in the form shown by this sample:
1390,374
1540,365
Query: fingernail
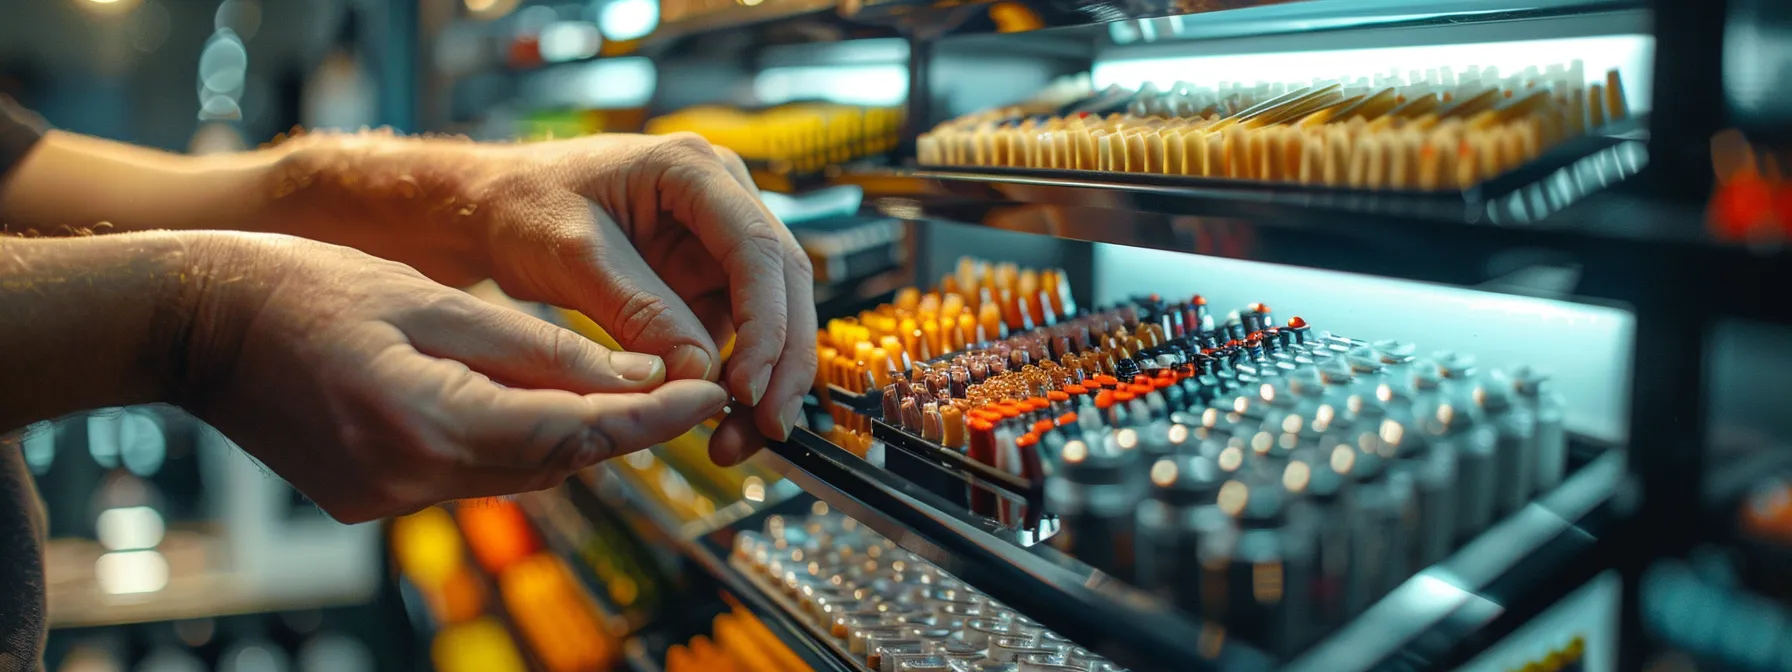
756,386
686,358
793,410
635,366
719,404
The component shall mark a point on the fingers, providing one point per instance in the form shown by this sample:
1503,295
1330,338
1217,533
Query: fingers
739,233
679,258
606,278
795,371
482,424
522,351
775,414
735,439
737,167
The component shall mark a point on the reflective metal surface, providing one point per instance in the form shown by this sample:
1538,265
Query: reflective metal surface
602,488
1434,616
1326,15
1133,21
1092,609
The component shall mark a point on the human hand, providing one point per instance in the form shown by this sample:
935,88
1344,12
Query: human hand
376,391
661,240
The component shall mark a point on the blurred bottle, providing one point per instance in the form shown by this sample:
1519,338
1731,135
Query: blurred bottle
338,94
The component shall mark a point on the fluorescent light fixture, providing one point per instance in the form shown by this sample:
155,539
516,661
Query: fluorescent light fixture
102,437
623,20
870,51
616,83
1630,55
130,528
141,445
131,572
40,447
486,10
107,7
223,63
569,41
871,85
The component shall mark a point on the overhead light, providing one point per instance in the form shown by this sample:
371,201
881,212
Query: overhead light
102,437
107,7
606,84
486,10
142,447
562,41
1632,55
40,447
130,528
874,85
223,64
131,572
623,20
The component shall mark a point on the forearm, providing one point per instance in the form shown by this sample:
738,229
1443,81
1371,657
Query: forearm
70,182
408,199
92,322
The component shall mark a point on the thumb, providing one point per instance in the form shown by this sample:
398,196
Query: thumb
491,425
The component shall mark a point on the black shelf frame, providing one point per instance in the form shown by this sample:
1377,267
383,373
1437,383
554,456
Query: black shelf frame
1563,539
1095,610
602,489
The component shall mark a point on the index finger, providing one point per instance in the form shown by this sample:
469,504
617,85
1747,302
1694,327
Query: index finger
485,424
742,235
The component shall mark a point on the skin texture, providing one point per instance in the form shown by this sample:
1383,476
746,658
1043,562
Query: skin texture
373,387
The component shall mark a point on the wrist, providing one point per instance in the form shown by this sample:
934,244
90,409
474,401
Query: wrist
207,298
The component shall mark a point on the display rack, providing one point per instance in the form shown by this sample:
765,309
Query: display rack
1624,207
1562,539
705,546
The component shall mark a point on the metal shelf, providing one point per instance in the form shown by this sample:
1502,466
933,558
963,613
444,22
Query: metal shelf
1222,19
604,488
1617,239
733,17
1094,610
1441,614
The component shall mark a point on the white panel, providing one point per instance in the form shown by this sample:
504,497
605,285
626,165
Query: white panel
1587,348
604,84
1631,55
876,85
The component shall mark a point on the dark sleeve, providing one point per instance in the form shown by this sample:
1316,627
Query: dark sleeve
19,130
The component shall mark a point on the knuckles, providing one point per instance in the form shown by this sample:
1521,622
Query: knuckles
640,314
799,263
759,251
